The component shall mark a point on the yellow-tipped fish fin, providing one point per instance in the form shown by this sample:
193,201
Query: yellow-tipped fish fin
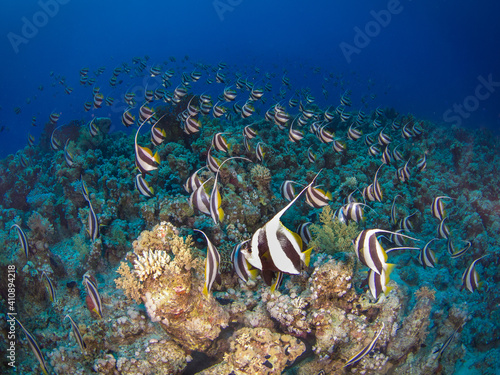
390,267
307,255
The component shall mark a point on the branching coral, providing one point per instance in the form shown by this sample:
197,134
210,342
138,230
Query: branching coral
128,283
150,263
171,289
261,177
332,236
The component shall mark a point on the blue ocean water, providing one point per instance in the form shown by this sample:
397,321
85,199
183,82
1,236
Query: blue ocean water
432,65
422,58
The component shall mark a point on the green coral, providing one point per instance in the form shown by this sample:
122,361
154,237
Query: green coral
331,235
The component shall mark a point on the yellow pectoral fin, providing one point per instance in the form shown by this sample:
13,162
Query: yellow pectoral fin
253,273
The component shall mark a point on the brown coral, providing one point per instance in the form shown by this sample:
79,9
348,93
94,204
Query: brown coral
258,351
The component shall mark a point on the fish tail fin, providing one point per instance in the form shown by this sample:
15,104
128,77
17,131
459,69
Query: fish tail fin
307,255
388,289
221,214
157,157
329,195
205,290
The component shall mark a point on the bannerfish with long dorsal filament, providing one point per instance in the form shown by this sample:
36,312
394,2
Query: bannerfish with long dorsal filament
212,273
275,248
369,250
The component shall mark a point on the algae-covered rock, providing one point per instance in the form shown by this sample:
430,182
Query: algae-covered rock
258,351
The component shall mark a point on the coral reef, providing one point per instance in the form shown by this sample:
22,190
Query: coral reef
331,235
171,288
149,270
258,351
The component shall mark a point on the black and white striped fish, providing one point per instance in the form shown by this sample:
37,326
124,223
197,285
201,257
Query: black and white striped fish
437,207
304,232
457,253
311,156
50,287
191,125
386,156
127,118
317,198
216,211
275,248
143,187
93,129
294,135
422,163
212,262
287,190
55,143
378,283
367,349
470,277
353,211
405,223
241,266
23,240
377,191
200,200
34,347
68,156
442,229
76,333
85,191
447,342
249,132
212,163
259,152
339,146
427,258
157,135
354,134
93,223
220,143
193,182
218,110
394,219
383,139
145,161
369,250
94,295
403,173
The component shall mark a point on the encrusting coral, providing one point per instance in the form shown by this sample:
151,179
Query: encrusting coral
258,351
171,290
